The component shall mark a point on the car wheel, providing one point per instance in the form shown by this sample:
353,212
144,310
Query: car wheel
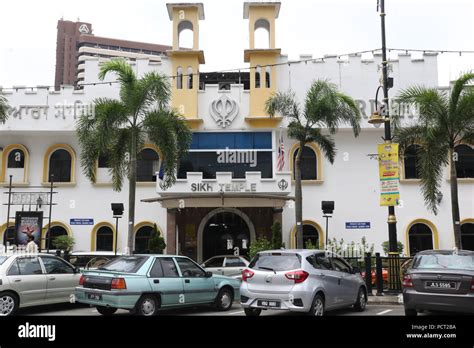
147,306
361,301
411,312
106,310
317,307
8,304
252,312
224,300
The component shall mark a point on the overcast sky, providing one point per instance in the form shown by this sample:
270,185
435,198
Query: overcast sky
28,30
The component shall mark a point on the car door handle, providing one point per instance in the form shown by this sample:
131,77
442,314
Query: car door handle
186,280
17,280
51,278
219,269
156,281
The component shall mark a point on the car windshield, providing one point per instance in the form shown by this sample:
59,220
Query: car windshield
276,262
129,264
444,261
3,259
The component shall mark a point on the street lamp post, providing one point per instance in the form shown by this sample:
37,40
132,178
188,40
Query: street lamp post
394,282
117,209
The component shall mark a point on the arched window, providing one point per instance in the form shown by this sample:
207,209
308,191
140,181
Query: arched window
105,239
267,77
309,164
16,159
9,235
420,238
262,34
258,74
54,232
15,163
142,239
179,78
310,236
465,161
467,235
410,162
190,77
185,34
60,164
148,163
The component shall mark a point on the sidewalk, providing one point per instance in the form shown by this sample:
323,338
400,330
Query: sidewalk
385,299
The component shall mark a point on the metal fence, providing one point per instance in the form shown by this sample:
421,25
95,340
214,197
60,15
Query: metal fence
382,273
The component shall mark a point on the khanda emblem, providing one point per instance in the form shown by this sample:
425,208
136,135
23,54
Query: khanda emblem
224,110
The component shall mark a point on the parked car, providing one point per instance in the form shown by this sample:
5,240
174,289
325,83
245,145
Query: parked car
440,280
373,274
307,281
91,259
35,280
229,265
144,284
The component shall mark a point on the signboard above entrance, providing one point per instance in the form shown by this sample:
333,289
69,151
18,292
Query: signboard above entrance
253,183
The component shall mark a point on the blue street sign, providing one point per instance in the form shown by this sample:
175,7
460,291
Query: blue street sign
81,221
357,225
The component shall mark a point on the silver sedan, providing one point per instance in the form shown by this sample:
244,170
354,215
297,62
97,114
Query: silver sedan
307,281
27,280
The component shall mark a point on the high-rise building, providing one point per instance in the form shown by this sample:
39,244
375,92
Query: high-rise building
75,42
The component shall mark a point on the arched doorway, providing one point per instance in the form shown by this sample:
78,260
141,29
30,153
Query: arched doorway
142,239
467,235
53,233
223,230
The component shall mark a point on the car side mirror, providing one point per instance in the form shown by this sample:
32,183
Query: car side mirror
355,270
208,274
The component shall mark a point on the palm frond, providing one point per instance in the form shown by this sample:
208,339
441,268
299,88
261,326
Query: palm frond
170,133
433,104
283,103
325,142
3,109
432,158
458,88
152,88
118,155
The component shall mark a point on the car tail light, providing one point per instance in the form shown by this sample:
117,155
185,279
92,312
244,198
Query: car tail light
407,281
118,283
298,276
246,274
81,280
472,284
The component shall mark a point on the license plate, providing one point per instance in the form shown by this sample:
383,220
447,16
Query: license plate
270,304
441,285
95,297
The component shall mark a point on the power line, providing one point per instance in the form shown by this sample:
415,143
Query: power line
373,51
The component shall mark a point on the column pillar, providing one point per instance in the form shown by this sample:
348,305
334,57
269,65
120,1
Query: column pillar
171,231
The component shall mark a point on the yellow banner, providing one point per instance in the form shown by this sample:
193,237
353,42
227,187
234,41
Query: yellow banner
389,174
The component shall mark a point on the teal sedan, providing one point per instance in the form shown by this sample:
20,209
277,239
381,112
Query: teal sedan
144,284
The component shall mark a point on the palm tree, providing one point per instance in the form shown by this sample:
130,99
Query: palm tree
324,107
3,108
119,128
445,121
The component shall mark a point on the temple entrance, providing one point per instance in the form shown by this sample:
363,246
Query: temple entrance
225,233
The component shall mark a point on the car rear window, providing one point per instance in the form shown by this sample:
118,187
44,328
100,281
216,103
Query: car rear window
3,259
276,262
129,264
444,261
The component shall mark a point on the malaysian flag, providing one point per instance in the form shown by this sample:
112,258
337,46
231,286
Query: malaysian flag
281,154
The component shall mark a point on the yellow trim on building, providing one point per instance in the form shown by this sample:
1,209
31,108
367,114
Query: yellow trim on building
53,224
315,225
319,162
3,229
96,228
46,158
5,153
426,222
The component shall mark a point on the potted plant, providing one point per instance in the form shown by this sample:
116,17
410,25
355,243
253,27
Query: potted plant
157,243
64,244
277,242
261,244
